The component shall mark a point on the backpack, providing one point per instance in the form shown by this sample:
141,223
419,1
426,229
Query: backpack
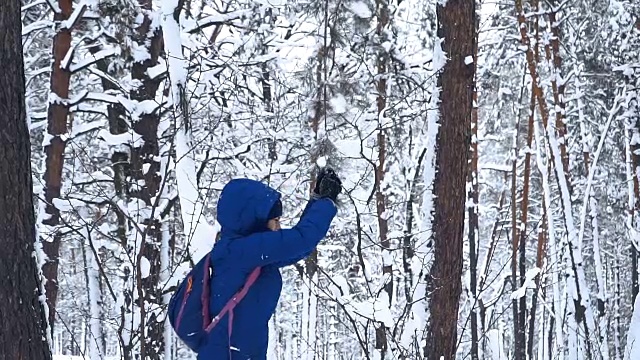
188,310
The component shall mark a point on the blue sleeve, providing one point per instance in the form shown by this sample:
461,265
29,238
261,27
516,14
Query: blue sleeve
294,260
287,246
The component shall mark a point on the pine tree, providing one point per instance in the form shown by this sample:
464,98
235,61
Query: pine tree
456,27
22,314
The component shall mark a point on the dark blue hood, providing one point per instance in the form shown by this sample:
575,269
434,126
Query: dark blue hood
244,206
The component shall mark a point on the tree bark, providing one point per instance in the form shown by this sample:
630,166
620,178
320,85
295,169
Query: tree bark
22,315
474,228
524,218
517,342
57,115
573,256
116,114
456,27
145,169
381,201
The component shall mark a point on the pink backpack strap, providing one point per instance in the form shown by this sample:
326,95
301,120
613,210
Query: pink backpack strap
206,291
231,304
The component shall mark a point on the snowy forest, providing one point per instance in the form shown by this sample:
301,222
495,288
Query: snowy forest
489,153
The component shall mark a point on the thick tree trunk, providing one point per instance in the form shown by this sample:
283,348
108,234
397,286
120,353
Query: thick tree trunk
22,315
456,27
57,115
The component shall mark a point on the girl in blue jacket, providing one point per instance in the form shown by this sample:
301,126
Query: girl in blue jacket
249,213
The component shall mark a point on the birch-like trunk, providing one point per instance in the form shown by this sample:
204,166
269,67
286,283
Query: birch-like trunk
556,325
95,338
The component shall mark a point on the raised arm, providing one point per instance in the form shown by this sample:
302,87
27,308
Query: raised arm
299,257
287,246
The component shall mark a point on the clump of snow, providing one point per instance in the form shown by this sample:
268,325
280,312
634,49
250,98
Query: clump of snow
145,267
468,60
322,161
632,350
495,340
338,104
361,10
439,58
528,282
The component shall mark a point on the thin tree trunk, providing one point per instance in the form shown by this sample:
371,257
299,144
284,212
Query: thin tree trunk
517,341
524,218
634,151
576,281
311,262
591,203
556,322
456,26
22,314
552,50
382,13
474,196
119,159
540,256
54,147
95,336
145,170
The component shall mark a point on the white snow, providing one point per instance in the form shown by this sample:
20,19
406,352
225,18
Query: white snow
322,161
439,58
496,347
361,10
75,16
529,278
200,234
468,60
145,267
67,204
338,104
632,351
92,59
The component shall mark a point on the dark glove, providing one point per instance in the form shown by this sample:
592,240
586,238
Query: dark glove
328,185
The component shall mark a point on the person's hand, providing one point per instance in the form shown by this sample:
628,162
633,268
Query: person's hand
328,185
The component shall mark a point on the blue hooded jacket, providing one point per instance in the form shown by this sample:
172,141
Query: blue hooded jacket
246,243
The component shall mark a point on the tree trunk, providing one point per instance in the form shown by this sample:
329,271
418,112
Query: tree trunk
474,196
576,280
381,201
22,315
145,170
552,50
517,343
119,159
57,115
635,166
474,235
524,217
456,27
